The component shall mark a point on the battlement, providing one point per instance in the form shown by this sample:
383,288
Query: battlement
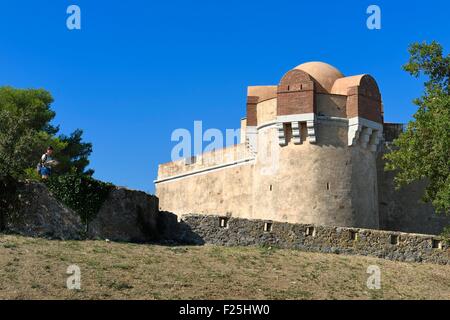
313,90
204,162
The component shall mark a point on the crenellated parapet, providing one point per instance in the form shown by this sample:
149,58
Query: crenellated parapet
364,132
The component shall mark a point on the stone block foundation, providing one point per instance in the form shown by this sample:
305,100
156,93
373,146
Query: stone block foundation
228,231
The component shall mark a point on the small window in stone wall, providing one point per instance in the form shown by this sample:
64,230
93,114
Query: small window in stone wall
223,222
268,227
270,187
353,235
310,231
328,186
395,239
436,244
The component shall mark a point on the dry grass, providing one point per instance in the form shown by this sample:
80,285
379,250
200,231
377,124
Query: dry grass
36,269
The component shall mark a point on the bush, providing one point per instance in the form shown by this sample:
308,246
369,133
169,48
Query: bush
446,234
82,193
9,200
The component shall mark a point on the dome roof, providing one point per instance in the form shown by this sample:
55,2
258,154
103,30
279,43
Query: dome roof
341,86
324,74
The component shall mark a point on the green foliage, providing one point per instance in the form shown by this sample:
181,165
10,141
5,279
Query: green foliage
423,150
24,128
32,174
9,200
75,154
446,235
428,59
26,131
80,192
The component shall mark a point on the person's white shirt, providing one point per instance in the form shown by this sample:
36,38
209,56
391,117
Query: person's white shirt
47,161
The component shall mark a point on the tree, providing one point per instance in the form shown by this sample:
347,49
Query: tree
26,131
423,150
25,118
75,154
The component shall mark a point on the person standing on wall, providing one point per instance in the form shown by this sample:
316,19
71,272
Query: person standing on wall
47,162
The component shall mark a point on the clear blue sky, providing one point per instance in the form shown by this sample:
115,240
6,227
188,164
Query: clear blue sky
137,70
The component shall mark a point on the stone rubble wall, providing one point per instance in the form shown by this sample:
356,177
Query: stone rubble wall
133,216
127,215
199,229
41,215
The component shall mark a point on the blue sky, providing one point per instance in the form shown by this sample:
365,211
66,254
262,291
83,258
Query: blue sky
137,70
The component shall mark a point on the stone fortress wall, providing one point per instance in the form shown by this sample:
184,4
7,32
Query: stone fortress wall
403,210
129,215
308,154
311,152
203,163
409,247
201,184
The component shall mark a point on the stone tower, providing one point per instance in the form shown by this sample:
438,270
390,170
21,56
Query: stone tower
307,154
316,136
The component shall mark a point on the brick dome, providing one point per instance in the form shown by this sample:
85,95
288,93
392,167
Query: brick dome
323,74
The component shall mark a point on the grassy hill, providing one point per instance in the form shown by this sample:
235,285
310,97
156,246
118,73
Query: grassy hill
36,269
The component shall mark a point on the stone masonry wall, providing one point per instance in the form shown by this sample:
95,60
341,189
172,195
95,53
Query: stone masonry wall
126,215
41,215
402,209
199,229
129,215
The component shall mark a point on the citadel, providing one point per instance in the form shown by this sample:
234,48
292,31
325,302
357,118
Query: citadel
310,152
307,174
